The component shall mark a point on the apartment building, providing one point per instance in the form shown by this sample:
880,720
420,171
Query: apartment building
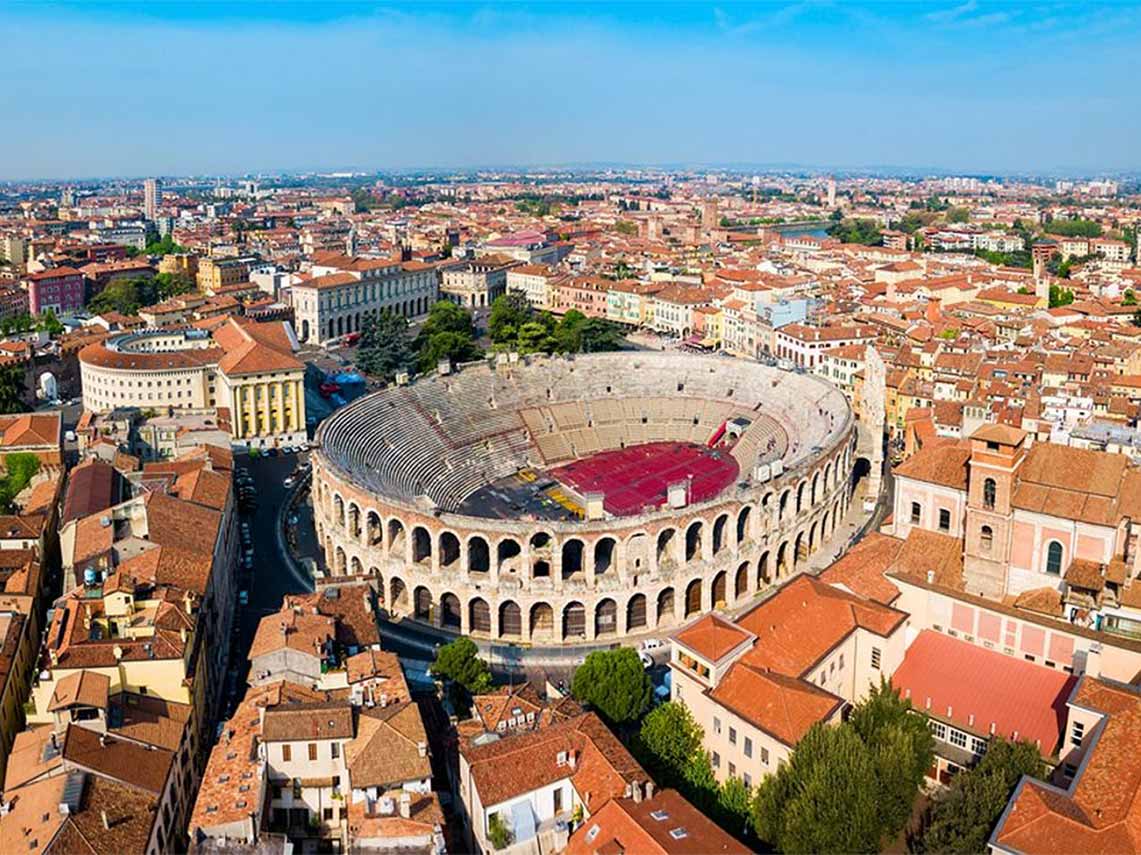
477,282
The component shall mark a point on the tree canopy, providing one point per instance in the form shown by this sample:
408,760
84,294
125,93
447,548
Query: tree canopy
19,469
514,324
127,296
961,819
856,231
848,787
385,347
448,332
12,388
1074,228
459,661
614,683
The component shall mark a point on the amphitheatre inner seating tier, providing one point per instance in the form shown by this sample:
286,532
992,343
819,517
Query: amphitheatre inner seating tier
445,436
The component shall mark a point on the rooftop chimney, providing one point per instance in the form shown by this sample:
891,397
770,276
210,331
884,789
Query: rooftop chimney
106,822
405,804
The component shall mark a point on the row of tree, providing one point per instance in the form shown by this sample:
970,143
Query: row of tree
127,296
514,324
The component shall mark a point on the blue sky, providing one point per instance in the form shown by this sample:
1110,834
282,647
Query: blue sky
102,88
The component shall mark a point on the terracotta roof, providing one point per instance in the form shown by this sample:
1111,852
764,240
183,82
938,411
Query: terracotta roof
943,463
784,707
141,766
712,637
861,569
386,749
30,430
325,720
82,688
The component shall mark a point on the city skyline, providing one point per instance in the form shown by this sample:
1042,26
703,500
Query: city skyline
960,87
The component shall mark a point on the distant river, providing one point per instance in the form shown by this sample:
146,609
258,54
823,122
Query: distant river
816,230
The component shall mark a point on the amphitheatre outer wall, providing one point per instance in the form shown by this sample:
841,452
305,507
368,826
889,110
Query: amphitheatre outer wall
556,582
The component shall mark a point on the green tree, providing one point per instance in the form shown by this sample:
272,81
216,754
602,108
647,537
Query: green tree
1129,298
1060,296
19,470
163,246
508,313
167,285
961,819
448,332
459,662
668,740
385,349
534,337
498,832
856,231
625,227
614,683
49,323
12,388
363,200
824,799
1074,228
733,800
958,215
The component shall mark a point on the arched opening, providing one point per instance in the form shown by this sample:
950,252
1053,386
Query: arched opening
693,598
1054,556
782,561
861,470
800,496
604,555
606,618
636,553
449,549
540,545
340,562
356,567
354,521
719,532
398,600
542,622
510,620
375,529
666,608
421,545
506,550
396,538
827,482
986,538
783,510
741,583
666,548
479,616
800,551
339,511
693,541
764,572
743,517
815,486
812,539
422,604
450,612
574,621
990,491
636,613
478,555
572,558
719,591
823,528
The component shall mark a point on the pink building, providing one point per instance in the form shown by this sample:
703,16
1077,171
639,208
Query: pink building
60,289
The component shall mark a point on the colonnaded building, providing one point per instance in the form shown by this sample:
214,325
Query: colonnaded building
560,500
239,366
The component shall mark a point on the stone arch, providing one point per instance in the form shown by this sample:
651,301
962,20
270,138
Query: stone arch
800,488
636,612
666,551
541,546
449,549
812,544
478,555
799,550
824,528
507,549
606,617
451,615
510,620
395,538
338,510
478,615
605,555
719,591
422,604
719,526
744,516
741,582
354,520
827,476
356,567
340,562
693,535
764,572
374,529
815,487
398,599
693,598
574,621
782,513
572,557
421,545
666,608
542,622
782,567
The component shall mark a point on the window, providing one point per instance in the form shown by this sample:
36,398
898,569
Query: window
1054,558
986,538
716,760
958,738
989,490
732,736
732,770
716,724
978,746
312,750
765,756
286,753
944,519
1077,733
916,513
876,658
335,750
328,814
938,729
748,747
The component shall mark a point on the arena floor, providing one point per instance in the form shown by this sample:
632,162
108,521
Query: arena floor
633,478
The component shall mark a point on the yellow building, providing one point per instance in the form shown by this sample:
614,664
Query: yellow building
215,273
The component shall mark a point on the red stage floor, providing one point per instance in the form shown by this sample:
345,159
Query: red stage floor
632,478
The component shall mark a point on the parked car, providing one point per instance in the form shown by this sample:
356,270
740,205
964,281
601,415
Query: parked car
647,660
652,643
244,597
289,482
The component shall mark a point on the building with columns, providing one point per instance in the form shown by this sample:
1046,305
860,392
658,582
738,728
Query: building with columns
229,363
